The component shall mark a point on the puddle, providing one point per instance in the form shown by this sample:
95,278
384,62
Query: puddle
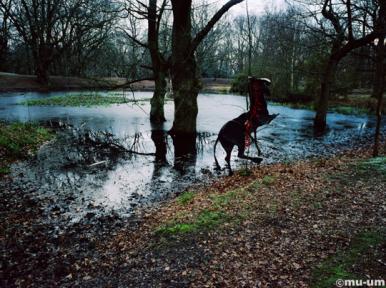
85,172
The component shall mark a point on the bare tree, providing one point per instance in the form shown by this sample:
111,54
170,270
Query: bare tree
49,27
152,13
185,80
379,85
4,36
344,40
160,64
209,54
249,39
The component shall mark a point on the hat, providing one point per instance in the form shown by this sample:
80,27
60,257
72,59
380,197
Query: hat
260,79
265,79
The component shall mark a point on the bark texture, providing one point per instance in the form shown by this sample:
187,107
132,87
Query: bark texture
184,79
159,64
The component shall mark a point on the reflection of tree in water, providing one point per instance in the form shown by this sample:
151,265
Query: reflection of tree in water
203,141
87,147
159,138
185,154
79,161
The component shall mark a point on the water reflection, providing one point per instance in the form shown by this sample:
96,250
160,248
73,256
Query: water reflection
83,168
159,137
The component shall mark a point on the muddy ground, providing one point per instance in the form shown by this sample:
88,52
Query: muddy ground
269,227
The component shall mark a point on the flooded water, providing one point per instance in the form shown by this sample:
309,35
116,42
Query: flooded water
79,174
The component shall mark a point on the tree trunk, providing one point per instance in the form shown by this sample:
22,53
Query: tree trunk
186,84
159,66
157,114
320,122
3,52
41,72
379,85
185,92
184,79
159,138
42,59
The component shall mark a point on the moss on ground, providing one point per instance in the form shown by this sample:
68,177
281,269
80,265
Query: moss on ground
340,265
222,200
76,100
349,110
206,219
268,180
185,198
377,164
228,207
18,140
346,107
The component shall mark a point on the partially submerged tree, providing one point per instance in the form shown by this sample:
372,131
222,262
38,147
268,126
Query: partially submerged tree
340,15
153,14
185,78
160,64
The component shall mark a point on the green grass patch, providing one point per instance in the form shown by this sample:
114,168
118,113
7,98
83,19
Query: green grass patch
268,180
4,170
349,110
223,199
245,172
18,140
338,266
308,106
77,100
185,198
372,167
317,205
176,228
206,219
376,163
254,186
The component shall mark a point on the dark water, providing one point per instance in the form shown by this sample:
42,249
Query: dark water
63,171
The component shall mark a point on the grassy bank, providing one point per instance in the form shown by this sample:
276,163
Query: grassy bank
18,141
354,262
334,108
300,224
351,105
304,224
200,211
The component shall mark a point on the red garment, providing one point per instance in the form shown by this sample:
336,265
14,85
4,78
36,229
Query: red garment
248,129
258,107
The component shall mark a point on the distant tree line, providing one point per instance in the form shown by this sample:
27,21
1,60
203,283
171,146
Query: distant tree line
311,49
99,38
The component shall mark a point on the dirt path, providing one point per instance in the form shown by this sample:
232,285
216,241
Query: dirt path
270,227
